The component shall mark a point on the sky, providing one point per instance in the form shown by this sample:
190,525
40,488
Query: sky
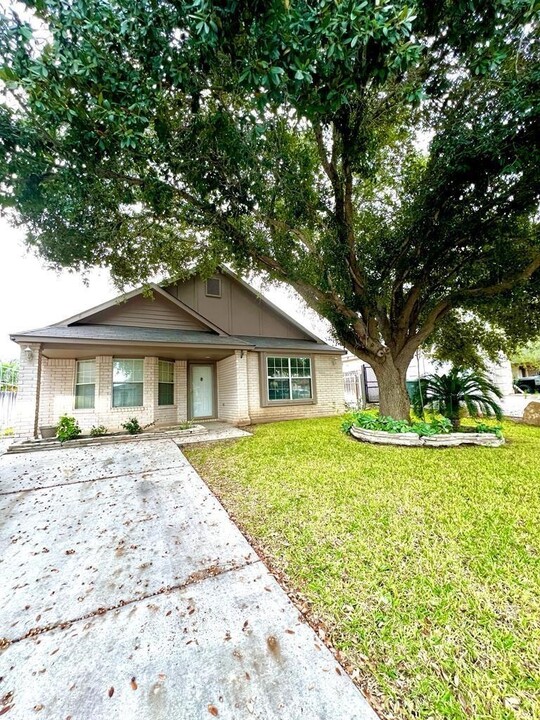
32,295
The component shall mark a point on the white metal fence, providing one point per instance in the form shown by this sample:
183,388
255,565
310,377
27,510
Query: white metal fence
360,387
9,376
8,400
354,388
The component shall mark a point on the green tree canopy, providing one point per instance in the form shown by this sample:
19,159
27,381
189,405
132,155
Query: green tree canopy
528,354
381,157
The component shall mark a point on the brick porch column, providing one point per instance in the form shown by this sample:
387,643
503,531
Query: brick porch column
181,389
103,401
27,408
150,388
242,393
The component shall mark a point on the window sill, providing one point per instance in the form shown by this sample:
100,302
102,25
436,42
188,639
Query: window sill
131,408
279,403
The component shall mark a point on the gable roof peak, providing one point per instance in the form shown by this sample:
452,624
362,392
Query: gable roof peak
125,297
269,303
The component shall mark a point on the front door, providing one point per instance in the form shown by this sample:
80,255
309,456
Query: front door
202,391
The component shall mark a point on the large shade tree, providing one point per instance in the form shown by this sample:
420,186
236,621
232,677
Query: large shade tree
380,157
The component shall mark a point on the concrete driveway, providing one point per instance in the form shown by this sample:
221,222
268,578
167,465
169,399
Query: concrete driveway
127,593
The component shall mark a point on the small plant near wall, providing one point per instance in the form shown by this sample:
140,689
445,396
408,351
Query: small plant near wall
67,428
186,425
98,431
132,426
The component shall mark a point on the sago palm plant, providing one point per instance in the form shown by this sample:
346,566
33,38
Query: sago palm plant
457,389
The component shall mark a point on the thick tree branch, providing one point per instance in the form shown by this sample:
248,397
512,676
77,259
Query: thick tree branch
329,165
506,284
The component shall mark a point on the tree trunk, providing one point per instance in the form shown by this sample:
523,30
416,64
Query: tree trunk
394,399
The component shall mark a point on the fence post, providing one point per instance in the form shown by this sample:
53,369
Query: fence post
361,381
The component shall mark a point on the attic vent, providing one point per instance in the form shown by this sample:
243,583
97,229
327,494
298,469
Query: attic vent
213,287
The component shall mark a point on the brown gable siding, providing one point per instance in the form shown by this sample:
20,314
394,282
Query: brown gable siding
146,312
237,311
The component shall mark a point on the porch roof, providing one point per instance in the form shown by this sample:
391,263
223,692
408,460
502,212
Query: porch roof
171,337
270,343
128,334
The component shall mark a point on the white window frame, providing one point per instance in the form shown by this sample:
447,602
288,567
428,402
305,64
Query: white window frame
266,377
140,382
166,382
78,363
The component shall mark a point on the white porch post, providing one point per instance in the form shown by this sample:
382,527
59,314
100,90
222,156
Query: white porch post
27,409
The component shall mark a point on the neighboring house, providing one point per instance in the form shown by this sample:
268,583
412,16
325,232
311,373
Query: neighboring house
522,369
526,360
361,383
196,350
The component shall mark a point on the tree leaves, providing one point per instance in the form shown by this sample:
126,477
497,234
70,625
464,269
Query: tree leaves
380,157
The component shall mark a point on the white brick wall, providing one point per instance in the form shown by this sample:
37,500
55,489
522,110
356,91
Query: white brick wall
238,395
57,396
232,384
57,393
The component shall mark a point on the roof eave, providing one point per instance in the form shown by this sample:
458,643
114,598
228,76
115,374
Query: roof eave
316,349
111,341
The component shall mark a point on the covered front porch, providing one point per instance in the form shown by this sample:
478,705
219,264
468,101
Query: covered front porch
107,384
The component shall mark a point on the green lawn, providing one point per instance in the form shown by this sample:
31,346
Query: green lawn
423,564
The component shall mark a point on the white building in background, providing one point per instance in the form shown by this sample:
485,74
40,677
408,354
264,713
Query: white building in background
361,383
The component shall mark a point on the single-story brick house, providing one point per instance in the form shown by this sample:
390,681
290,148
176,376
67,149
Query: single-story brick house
197,349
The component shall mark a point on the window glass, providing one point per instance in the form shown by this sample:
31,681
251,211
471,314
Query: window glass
278,389
85,385
301,389
300,367
128,370
128,383
166,383
289,378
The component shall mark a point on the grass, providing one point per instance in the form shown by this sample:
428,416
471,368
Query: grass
424,565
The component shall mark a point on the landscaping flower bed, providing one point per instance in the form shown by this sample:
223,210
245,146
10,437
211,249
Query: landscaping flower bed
437,432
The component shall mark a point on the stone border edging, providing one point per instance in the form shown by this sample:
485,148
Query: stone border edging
46,444
381,437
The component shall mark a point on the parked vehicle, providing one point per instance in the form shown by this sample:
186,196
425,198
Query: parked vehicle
529,384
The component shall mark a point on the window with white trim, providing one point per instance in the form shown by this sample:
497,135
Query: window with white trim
85,385
166,382
289,378
128,383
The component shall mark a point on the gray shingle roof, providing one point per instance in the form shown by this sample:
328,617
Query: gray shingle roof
270,343
126,334
122,333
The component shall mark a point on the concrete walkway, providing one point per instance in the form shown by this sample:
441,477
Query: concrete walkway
128,594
